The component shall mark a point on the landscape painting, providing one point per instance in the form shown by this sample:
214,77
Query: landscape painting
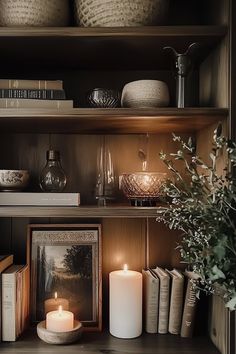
66,263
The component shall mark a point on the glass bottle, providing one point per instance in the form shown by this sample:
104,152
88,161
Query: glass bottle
52,177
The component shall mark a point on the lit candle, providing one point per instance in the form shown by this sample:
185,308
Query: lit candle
60,320
54,303
125,303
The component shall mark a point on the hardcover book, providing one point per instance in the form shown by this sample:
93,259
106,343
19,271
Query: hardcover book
39,199
5,262
176,301
164,300
151,296
33,94
31,103
14,302
190,305
31,84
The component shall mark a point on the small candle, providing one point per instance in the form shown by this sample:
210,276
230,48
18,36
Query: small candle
60,320
54,303
125,303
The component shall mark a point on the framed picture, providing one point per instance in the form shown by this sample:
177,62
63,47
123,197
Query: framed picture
65,263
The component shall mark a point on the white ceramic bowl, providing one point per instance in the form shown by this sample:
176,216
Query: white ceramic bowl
145,94
13,180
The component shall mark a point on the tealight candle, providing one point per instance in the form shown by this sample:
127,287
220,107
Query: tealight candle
60,320
125,303
54,303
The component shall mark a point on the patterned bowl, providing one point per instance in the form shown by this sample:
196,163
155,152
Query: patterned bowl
142,188
103,98
145,94
13,180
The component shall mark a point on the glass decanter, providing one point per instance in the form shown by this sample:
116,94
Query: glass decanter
52,177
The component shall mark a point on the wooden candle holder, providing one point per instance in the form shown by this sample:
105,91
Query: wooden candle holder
51,337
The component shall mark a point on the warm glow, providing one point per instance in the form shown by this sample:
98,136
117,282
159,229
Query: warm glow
55,295
60,310
125,268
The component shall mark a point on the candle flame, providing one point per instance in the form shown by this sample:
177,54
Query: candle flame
55,295
125,267
60,310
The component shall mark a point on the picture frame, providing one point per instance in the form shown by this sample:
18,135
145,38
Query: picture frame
65,269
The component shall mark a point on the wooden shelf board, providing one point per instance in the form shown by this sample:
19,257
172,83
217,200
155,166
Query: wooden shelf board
112,121
104,48
79,212
98,343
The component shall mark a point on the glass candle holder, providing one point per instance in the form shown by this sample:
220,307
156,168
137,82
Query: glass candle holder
105,184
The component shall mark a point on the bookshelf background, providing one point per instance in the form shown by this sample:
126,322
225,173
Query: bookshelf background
128,233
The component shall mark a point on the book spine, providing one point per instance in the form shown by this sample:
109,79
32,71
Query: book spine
33,94
31,84
151,294
189,312
8,307
176,304
31,103
164,302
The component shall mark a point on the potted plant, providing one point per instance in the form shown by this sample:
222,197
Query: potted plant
201,203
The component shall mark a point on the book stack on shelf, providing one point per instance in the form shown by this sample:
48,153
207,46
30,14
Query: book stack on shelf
168,307
46,94
14,299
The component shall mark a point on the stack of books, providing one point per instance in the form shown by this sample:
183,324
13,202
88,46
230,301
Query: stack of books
14,299
169,306
33,94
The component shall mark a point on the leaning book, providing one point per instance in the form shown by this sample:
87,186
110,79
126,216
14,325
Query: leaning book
5,262
164,299
190,305
15,302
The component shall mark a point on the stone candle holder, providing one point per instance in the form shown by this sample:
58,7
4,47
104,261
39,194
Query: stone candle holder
51,337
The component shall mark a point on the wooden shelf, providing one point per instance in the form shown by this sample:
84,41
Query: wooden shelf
79,212
103,48
98,343
112,121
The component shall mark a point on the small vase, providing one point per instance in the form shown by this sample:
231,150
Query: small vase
52,177
105,183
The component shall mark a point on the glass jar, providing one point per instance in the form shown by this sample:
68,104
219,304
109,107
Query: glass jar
52,177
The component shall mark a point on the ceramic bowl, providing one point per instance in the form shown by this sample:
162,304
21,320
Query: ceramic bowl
103,98
145,94
52,337
142,186
13,180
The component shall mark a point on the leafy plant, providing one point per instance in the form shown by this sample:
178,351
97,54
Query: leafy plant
201,203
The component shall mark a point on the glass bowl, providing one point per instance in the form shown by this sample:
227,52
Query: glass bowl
103,98
142,188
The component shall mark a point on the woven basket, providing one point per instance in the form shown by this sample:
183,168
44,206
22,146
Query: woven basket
119,13
34,12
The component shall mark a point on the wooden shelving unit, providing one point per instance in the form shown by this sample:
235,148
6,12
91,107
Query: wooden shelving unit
116,120
80,212
104,343
99,48
84,58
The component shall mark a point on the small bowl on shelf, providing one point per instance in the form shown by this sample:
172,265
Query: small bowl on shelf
13,180
145,94
103,98
52,337
142,188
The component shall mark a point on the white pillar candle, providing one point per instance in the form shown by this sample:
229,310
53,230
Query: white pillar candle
54,303
125,303
60,321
